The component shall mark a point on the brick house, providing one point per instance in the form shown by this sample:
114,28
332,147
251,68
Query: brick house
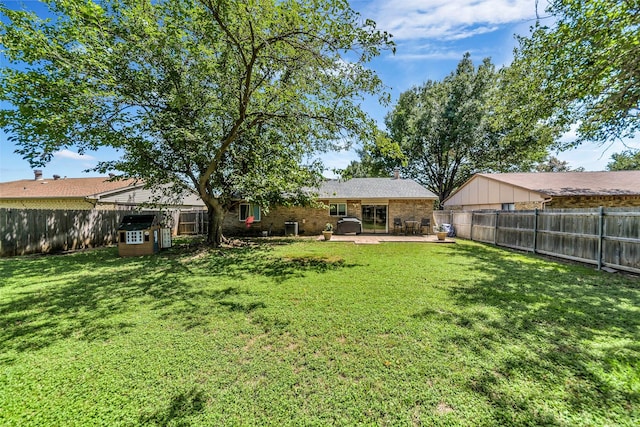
554,190
58,192
375,201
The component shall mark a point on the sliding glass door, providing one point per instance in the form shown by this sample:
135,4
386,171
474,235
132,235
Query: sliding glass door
374,218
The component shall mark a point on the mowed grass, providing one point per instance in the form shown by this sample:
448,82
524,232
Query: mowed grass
316,333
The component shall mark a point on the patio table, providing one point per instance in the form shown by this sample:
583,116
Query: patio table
411,227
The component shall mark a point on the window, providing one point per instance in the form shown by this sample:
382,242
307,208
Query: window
134,237
247,210
508,207
338,209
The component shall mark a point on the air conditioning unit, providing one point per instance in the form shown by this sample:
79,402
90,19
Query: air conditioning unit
291,228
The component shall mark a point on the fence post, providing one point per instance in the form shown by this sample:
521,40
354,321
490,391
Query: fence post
535,230
495,230
600,235
471,228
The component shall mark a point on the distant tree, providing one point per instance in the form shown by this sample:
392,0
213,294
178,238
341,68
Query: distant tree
625,161
451,129
582,68
554,164
224,98
377,159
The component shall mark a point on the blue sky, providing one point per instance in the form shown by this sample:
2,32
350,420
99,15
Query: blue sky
431,37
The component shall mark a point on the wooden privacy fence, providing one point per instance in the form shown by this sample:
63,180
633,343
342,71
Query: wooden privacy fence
28,231
602,236
193,222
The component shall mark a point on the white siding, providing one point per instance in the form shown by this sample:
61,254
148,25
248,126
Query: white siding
484,193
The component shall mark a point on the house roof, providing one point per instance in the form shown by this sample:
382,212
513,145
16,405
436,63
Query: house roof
163,194
61,187
615,183
374,188
103,189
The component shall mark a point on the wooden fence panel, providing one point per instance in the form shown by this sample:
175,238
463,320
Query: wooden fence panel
609,237
41,231
193,223
484,227
621,239
442,217
571,234
516,230
463,222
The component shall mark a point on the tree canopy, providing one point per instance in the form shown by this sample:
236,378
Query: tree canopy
451,129
554,164
581,65
377,159
226,98
625,161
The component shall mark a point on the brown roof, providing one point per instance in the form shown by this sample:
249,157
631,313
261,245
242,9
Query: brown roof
61,188
617,183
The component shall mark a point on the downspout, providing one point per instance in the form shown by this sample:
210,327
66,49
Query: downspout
545,201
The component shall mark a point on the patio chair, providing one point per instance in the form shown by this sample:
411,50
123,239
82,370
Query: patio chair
397,225
425,222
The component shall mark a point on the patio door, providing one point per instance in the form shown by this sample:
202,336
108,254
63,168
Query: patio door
374,219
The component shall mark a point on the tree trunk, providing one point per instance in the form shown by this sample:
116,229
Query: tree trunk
216,216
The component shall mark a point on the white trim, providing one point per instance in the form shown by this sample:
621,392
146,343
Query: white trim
338,214
134,237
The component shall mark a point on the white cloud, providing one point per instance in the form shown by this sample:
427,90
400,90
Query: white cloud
430,54
592,156
68,154
446,19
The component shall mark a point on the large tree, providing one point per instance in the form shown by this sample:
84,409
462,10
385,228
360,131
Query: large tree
225,98
625,161
581,65
451,129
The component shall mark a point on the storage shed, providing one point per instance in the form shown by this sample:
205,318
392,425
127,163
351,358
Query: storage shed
138,235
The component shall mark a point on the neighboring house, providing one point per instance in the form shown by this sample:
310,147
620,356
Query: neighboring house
86,194
375,201
137,196
58,192
554,190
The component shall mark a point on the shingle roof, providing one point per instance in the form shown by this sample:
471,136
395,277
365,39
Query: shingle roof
137,222
574,183
374,188
356,188
61,188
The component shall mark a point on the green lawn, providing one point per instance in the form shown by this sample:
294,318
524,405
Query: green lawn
317,333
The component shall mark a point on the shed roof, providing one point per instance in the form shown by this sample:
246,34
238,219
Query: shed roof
374,188
137,222
613,183
61,187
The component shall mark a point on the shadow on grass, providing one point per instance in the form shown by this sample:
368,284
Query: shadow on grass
181,408
577,334
87,295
